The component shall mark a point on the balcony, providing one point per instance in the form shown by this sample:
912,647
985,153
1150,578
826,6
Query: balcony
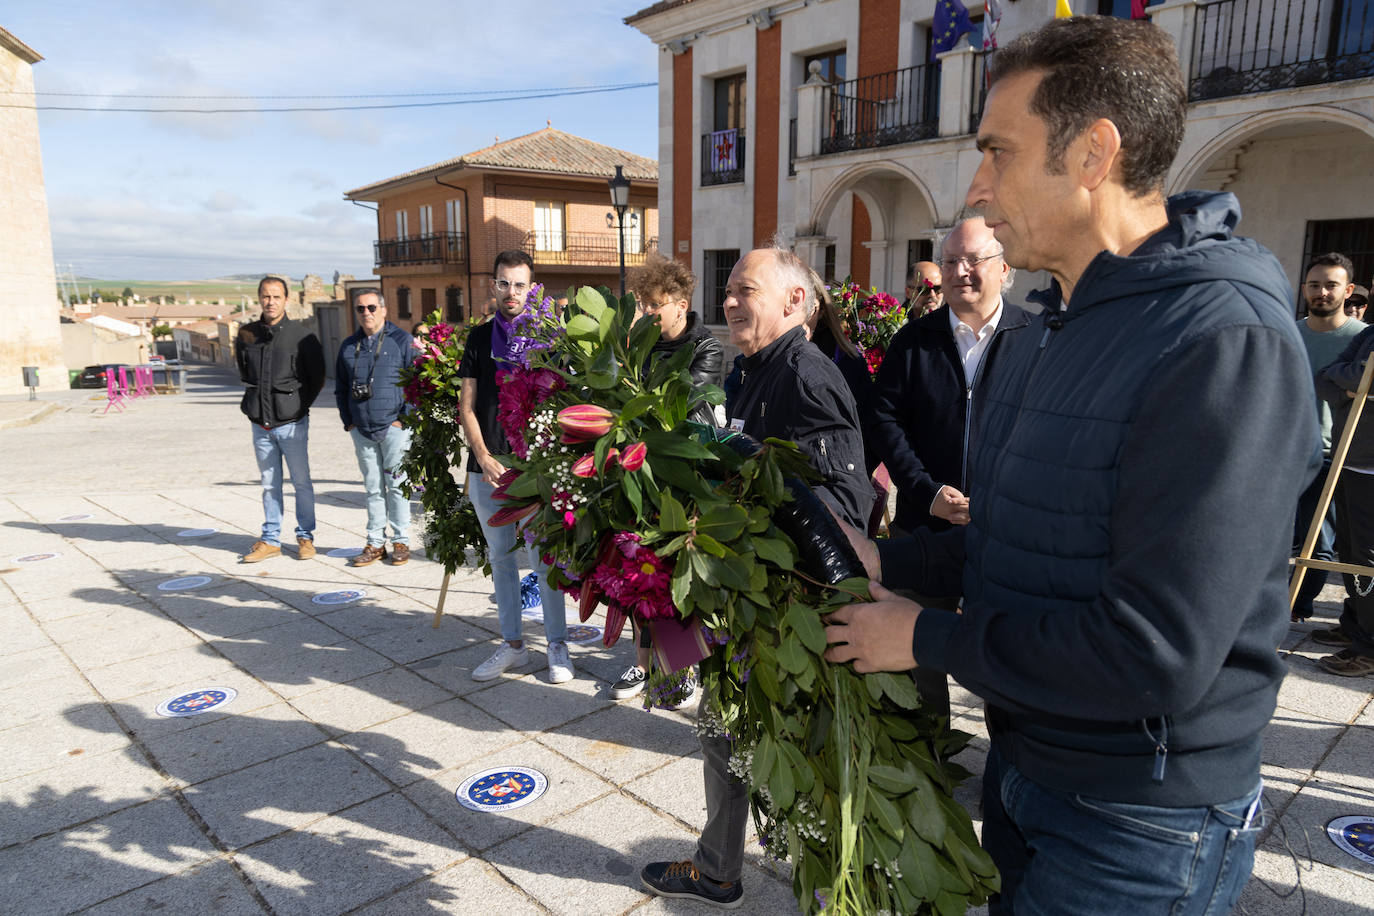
586,249
979,95
432,248
901,106
1245,46
722,157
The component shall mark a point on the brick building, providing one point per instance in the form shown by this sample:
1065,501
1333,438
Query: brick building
440,227
837,124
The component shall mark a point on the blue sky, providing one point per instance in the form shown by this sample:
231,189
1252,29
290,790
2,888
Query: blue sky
192,196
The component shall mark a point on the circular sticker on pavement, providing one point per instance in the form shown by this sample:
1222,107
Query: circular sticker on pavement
501,789
197,702
344,553
1355,834
196,532
36,557
184,583
581,633
80,517
342,596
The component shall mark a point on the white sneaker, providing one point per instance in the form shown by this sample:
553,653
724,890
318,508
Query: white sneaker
503,658
691,693
560,663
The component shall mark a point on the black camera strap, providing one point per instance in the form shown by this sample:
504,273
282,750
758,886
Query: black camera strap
376,355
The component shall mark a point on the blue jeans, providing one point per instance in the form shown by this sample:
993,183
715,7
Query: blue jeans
505,570
380,462
1061,853
292,442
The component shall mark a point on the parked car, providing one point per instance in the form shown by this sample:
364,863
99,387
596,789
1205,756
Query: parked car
94,376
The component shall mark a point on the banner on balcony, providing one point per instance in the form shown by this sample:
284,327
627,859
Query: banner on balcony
725,150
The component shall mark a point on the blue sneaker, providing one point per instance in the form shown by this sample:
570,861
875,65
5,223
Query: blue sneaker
681,879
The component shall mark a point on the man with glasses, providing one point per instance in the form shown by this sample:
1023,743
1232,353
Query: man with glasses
930,382
281,364
367,389
487,354
923,294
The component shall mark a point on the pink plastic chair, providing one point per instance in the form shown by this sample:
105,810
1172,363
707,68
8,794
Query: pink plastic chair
113,396
143,380
124,384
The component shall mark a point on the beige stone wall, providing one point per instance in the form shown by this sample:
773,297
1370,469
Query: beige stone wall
86,345
27,282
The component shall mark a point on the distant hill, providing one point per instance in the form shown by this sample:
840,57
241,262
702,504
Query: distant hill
232,289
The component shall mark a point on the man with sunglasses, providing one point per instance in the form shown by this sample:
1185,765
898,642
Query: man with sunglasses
281,364
932,376
488,352
923,294
367,389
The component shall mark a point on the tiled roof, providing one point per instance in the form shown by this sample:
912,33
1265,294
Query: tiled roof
661,7
548,150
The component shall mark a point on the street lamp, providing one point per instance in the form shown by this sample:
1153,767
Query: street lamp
620,200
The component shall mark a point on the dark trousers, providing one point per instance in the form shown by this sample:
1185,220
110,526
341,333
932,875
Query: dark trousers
1314,579
1355,544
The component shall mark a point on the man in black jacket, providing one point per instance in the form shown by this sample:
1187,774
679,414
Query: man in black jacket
1337,384
790,390
281,364
1162,407
933,377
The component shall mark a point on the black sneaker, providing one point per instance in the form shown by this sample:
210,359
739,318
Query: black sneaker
689,692
1333,636
630,683
681,879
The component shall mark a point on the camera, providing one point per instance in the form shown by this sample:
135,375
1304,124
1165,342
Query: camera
362,391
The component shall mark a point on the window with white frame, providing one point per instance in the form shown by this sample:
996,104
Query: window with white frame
402,224
426,219
634,230
453,216
548,225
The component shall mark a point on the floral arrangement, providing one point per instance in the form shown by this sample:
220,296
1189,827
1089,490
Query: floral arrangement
870,319
431,385
636,508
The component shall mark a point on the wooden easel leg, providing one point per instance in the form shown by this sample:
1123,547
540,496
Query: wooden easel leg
443,594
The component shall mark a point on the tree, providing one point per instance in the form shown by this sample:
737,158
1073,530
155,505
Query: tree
128,293
161,330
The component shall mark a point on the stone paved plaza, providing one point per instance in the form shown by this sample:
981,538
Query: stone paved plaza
327,785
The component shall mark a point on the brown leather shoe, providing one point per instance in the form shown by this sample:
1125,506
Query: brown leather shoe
400,553
261,550
371,554
305,548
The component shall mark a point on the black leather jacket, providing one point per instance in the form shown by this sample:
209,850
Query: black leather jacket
282,368
706,362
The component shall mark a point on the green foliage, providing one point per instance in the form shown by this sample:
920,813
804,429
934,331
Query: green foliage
432,388
161,330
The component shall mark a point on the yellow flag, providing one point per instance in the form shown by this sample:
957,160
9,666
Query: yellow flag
1061,9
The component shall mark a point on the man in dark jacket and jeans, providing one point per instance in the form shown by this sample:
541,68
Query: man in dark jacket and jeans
790,390
367,388
281,364
1162,407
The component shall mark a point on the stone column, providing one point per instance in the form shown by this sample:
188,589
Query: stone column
1177,18
956,90
879,264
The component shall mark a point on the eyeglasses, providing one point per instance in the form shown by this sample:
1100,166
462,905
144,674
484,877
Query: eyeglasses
968,263
506,286
365,308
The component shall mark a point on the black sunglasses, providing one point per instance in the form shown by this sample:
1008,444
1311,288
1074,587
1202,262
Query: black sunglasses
365,308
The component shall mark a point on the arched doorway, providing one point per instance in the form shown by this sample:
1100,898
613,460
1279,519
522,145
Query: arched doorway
878,218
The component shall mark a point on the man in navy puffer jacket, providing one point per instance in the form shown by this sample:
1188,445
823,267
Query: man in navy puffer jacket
367,387
1141,452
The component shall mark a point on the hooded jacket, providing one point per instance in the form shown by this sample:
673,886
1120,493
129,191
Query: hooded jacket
282,369
1125,572
923,410
381,362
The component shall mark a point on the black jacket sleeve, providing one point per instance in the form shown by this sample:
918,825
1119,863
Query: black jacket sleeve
1345,371
894,394
310,363
343,383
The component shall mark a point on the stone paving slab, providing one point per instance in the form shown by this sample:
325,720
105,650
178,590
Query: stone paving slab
327,786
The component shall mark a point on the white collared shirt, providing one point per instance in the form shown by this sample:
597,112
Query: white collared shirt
973,345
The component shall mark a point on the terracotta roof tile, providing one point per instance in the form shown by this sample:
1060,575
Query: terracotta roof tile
546,150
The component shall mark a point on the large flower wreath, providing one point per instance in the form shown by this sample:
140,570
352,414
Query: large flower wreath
639,509
431,385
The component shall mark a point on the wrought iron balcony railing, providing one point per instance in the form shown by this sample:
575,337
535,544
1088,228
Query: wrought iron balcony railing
586,249
722,157
1244,46
901,106
980,89
431,248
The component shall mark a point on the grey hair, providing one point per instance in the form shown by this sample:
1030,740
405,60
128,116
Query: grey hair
940,238
793,271
369,292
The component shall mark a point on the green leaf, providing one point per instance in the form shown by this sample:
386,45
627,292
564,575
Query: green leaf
604,371
924,813
900,689
709,544
792,655
701,566
802,773
781,786
633,494
806,623
723,522
671,515
681,582
523,486
920,867
765,755
663,443
591,301
774,550
891,780
636,406
583,327
886,815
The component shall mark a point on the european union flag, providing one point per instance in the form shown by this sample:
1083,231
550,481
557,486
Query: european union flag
951,24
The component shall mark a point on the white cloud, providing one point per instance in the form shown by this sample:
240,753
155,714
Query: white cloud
224,202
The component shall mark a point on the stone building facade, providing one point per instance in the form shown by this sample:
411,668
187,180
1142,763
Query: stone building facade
33,335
